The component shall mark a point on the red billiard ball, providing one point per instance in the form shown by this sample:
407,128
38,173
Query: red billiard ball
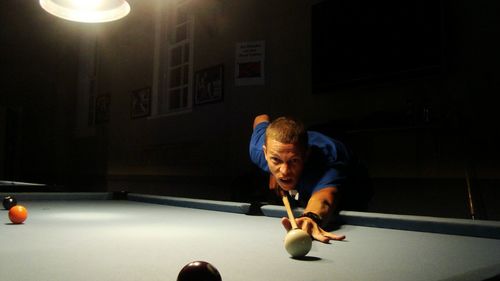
199,271
18,214
9,202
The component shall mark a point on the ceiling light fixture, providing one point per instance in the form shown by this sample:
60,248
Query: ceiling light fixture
87,10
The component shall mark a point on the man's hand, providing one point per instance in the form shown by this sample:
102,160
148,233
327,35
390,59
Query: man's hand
260,118
274,186
309,226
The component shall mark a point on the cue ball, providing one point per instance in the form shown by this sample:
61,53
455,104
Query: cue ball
18,214
9,202
199,271
298,243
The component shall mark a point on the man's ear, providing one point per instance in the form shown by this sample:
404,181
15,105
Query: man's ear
264,149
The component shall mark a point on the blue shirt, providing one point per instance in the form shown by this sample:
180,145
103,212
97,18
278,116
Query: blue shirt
328,163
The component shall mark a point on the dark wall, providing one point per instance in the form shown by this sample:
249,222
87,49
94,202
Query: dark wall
422,139
38,78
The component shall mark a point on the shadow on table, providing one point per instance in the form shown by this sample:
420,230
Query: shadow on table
307,258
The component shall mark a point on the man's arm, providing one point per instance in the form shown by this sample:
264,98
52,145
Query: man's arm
322,202
259,119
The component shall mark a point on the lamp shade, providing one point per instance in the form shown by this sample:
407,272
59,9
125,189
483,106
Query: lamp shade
87,10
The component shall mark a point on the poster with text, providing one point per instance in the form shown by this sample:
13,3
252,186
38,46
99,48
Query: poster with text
249,69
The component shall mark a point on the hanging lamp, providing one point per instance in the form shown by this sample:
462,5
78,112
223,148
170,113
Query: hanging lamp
87,10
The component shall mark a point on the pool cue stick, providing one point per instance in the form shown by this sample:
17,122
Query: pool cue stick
470,201
467,170
289,211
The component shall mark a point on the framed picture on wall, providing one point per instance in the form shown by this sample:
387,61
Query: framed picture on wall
141,103
102,103
209,85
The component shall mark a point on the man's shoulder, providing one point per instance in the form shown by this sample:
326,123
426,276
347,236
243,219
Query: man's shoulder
259,129
330,149
321,140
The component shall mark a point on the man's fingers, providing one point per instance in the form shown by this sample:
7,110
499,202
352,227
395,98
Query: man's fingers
334,236
307,227
286,224
314,230
325,237
321,238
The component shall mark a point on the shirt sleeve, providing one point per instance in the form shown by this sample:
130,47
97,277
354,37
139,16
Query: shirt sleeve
256,143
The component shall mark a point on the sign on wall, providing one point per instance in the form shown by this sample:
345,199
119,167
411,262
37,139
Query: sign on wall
249,68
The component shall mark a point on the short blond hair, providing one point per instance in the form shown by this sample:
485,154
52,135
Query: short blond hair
288,130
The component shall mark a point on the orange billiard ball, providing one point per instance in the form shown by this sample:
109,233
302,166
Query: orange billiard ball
18,214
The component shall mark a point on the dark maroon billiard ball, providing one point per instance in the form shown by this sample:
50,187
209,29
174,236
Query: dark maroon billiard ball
199,271
9,202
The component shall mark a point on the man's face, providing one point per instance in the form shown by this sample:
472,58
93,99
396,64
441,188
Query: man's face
285,161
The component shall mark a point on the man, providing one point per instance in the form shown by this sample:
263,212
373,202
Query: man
308,165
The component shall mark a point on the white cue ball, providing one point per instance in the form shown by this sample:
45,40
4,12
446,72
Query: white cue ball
298,243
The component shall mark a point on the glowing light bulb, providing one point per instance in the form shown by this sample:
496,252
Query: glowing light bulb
87,10
87,4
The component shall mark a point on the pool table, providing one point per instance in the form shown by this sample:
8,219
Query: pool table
108,236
